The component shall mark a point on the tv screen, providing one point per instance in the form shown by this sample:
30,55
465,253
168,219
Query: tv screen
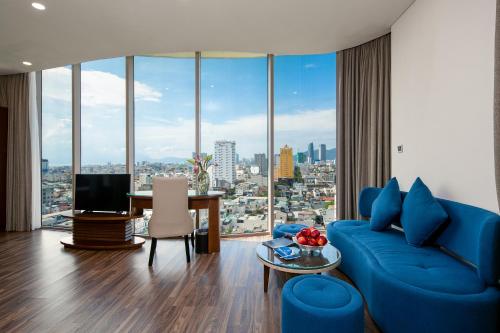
103,193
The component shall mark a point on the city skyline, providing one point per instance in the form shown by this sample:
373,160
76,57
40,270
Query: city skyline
257,158
304,102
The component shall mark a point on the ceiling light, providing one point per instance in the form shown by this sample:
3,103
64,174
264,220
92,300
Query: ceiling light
38,6
27,63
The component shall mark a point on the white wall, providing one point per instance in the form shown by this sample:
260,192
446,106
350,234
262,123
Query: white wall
442,99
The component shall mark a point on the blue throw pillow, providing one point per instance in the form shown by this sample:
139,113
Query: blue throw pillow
387,207
422,215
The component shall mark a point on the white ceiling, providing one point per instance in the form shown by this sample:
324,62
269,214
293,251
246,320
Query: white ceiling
72,31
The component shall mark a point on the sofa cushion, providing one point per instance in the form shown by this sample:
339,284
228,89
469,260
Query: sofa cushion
422,215
427,267
387,207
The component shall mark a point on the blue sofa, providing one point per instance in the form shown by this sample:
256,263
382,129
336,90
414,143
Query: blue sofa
449,286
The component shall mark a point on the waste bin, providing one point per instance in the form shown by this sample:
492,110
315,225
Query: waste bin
201,236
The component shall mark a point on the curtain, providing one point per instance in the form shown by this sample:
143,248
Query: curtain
363,121
14,94
496,112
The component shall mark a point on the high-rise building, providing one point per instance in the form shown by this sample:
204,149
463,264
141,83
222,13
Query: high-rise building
286,162
225,163
301,157
276,160
310,153
261,162
45,165
322,152
47,196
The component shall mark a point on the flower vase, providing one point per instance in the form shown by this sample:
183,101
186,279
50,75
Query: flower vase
203,182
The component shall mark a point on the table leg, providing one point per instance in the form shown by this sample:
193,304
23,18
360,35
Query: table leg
213,226
197,219
266,278
135,210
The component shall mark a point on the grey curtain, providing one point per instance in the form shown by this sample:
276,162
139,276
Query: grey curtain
496,113
14,94
363,121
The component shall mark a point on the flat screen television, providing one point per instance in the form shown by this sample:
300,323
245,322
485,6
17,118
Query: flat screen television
102,193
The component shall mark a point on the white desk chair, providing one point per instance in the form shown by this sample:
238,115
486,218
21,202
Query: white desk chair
171,216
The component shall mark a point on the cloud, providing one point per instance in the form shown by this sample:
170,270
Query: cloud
146,93
99,88
309,66
155,141
160,137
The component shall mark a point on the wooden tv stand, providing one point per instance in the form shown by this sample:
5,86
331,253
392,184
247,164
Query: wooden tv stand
102,231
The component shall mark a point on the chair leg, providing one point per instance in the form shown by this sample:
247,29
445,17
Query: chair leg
192,239
186,243
153,250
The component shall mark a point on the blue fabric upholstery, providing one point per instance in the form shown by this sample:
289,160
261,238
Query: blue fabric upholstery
472,233
282,229
426,267
387,207
323,303
409,289
422,214
366,198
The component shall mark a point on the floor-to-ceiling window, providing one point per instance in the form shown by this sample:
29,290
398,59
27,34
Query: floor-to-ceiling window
103,116
56,146
164,90
304,136
233,130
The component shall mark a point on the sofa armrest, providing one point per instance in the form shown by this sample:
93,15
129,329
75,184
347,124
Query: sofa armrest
489,251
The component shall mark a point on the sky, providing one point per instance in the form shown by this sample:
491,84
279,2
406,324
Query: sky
234,107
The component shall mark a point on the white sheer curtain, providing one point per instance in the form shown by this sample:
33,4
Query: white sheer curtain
36,213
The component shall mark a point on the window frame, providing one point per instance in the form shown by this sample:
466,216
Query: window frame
130,123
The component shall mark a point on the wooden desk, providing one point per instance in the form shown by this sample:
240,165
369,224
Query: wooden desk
141,200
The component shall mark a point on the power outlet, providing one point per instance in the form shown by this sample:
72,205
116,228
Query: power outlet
400,149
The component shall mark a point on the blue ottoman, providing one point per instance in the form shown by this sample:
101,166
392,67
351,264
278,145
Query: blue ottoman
281,229
321,303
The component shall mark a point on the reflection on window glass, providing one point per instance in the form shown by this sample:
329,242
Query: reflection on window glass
233,130
103,116
164,121
56,146
305,144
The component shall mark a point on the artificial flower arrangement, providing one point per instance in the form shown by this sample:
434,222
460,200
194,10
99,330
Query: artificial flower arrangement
200,167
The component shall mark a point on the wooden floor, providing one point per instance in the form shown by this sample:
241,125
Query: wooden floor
45,288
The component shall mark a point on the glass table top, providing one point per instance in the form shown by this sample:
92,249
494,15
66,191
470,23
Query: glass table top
329,258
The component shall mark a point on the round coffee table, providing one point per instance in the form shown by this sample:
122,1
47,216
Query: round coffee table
306,264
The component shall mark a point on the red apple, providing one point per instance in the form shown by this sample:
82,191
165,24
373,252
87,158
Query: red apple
312,242
302,240
322,241
315,233
297,235
305,232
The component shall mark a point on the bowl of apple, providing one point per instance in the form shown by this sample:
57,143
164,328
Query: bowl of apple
310,240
